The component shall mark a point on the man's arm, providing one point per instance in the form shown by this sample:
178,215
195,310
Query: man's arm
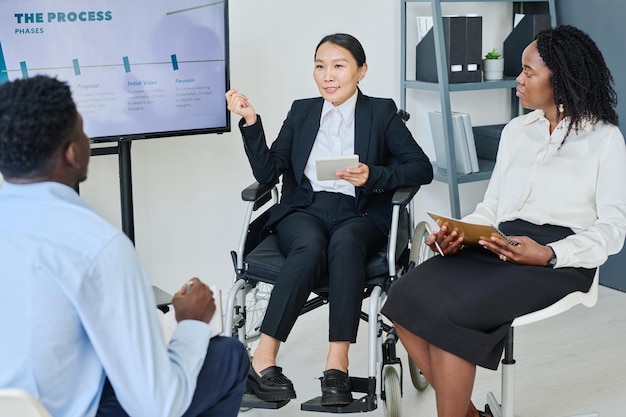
149,377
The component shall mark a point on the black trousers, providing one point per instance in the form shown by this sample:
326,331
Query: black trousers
327,238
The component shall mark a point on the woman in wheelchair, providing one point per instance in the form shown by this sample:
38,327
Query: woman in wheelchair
557,188
327,227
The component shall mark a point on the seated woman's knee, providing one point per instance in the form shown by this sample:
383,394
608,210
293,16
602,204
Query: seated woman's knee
344,241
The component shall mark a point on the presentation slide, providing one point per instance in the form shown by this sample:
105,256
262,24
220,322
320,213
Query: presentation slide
137,68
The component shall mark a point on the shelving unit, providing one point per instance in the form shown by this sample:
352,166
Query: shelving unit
450,176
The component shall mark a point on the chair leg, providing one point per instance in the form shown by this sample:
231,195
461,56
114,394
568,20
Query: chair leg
507,407
508,377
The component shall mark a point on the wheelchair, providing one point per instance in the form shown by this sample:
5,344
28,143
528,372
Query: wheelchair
257,261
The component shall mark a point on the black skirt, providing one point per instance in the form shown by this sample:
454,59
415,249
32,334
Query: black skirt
465,303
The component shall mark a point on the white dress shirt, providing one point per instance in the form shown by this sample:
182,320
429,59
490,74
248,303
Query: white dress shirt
331,141
580,186
77,306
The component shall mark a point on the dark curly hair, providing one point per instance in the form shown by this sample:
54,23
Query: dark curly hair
37,116
581,81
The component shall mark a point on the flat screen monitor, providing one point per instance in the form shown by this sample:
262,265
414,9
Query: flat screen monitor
137,68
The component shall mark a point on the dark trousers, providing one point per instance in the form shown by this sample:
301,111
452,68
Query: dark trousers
326,238
220,383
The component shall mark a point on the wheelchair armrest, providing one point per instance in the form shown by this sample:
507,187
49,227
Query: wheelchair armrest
402,196
257,193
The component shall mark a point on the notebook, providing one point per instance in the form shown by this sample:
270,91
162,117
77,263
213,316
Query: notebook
471,232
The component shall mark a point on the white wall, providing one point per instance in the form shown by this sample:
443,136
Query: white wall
187,205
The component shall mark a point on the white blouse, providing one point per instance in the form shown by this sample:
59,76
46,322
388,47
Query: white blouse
580,186
334,138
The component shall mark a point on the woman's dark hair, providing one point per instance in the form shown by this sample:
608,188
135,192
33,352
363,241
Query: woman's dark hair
581,81
37,116
346,41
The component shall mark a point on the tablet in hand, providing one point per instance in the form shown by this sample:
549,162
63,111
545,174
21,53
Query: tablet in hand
327,167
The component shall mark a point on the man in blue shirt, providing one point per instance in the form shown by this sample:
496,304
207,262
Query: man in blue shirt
80,330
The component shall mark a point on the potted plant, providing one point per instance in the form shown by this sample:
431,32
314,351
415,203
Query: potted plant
493,66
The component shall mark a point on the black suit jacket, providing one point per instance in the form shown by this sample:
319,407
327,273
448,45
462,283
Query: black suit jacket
381,140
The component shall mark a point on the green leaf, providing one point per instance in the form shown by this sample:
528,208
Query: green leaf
493,54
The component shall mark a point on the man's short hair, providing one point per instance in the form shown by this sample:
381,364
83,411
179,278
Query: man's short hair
37,117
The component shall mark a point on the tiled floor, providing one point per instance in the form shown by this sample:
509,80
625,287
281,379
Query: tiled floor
571,364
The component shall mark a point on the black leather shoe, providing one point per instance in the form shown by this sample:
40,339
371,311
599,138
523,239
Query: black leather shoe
336,388
272,385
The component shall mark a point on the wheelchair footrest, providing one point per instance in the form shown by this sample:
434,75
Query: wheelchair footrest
252,401
360,405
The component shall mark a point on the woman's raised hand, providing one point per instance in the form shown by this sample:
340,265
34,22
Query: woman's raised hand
238,103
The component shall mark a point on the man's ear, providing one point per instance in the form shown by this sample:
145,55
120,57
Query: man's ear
71,155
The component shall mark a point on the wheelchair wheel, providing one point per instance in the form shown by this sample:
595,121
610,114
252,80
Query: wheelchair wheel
420,251
417,377
393,392
256,300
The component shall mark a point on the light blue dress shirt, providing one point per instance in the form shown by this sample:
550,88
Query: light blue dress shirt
77,306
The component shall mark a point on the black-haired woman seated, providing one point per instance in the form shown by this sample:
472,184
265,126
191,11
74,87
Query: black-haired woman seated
556,189
327,226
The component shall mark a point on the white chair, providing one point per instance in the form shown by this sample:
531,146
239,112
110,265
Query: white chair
506,408
16,402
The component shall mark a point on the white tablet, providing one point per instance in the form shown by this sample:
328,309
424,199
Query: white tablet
327,167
